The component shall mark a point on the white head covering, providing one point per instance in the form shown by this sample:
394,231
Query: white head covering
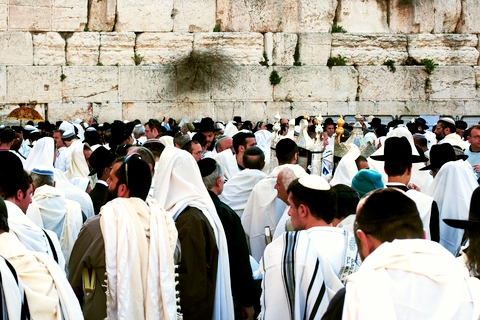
66,126
41,154
347,168
78,166
178,184
81,131
230,129
227,161
264,140
166,140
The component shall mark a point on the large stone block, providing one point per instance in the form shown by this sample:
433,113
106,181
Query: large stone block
453,83
155,84
477,80
444,49
316,84
140,110
252,84
194,16
449,107
369,16
314,48
284,48
283,108
116,48
394,108
3,15
163,48
369,49
48,49
336,108
30,17
83,49
108,111
69,111
41,84
472,107
89,84
469,21
276,15
447,14
101,15
268,47
69,15
144,15
16,48
310,108
226,110
242,48
3,84
380,84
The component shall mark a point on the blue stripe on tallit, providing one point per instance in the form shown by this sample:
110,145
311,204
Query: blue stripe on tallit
288,269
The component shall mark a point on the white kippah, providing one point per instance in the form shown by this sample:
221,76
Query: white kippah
450,120
43,170
68,134
29,127
91,129
314,182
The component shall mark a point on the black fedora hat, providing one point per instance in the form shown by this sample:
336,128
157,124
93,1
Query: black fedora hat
100,159
398,149
421,123
439,155
237,119
375,122
207,124
473,222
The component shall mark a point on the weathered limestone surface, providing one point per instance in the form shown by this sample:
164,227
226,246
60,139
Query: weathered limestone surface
90,84
3,15
101,15
453,83
116,48
369,16
268,47
252,84
369,49
146,84
447,15
314,48
229,109
3,84
108,110
316,84
306,108
315,16
163,48
471,107
16,48
444,49
242,48
83,49
41,84
69,15
477,80
144,15
283,48
380,84
48,49
68,111
194,16
469,22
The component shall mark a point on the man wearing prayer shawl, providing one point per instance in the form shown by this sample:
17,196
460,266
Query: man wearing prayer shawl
204,272
302,270
129,247
402,275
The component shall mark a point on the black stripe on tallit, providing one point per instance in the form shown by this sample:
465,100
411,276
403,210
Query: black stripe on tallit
25,314
52,247
317,303
317,264
289,269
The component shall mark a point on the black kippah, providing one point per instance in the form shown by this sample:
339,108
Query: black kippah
207,166
285,146
253,151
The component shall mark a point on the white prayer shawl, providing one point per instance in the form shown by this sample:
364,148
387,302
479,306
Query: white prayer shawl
48,292
32,236
41,154
14,292
66,126
420,178
227,161
347,168
424,206
60,215
139,241
74,193
81,131
455,140
300,274
237,190
264,140
347,223
230,130
431,139
282,224
78,166
178,184
411,279
452,189
166,140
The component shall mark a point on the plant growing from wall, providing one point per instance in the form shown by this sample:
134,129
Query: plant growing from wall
137,59
275,78
99,64
296,56
336,61
216,28
62,77
391,65
477,85
265,59
338,29
429,65
196,71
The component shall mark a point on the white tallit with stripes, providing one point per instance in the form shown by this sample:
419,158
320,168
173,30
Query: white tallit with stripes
13,293
298,280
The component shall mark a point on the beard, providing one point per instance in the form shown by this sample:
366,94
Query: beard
112,194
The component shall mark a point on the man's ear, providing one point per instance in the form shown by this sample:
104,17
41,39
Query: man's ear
122,191
219,181
19,195
366,245
303,210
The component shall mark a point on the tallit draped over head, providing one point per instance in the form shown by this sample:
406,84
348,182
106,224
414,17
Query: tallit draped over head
41,154
178,184
78,166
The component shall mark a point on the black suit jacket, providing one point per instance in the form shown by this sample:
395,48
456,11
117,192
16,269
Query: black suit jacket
98,196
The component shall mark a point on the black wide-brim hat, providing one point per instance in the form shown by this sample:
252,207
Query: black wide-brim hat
398,149
441,154
473,222
207,124
100,159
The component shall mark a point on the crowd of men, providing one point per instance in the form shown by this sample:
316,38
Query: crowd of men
218,220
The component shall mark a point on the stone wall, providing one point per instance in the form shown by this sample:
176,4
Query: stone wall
123,58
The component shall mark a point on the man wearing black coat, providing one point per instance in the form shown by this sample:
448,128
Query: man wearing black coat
100,160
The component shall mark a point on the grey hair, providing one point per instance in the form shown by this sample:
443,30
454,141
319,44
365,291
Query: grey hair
39,180
211,180
217,145
139,129
287,177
